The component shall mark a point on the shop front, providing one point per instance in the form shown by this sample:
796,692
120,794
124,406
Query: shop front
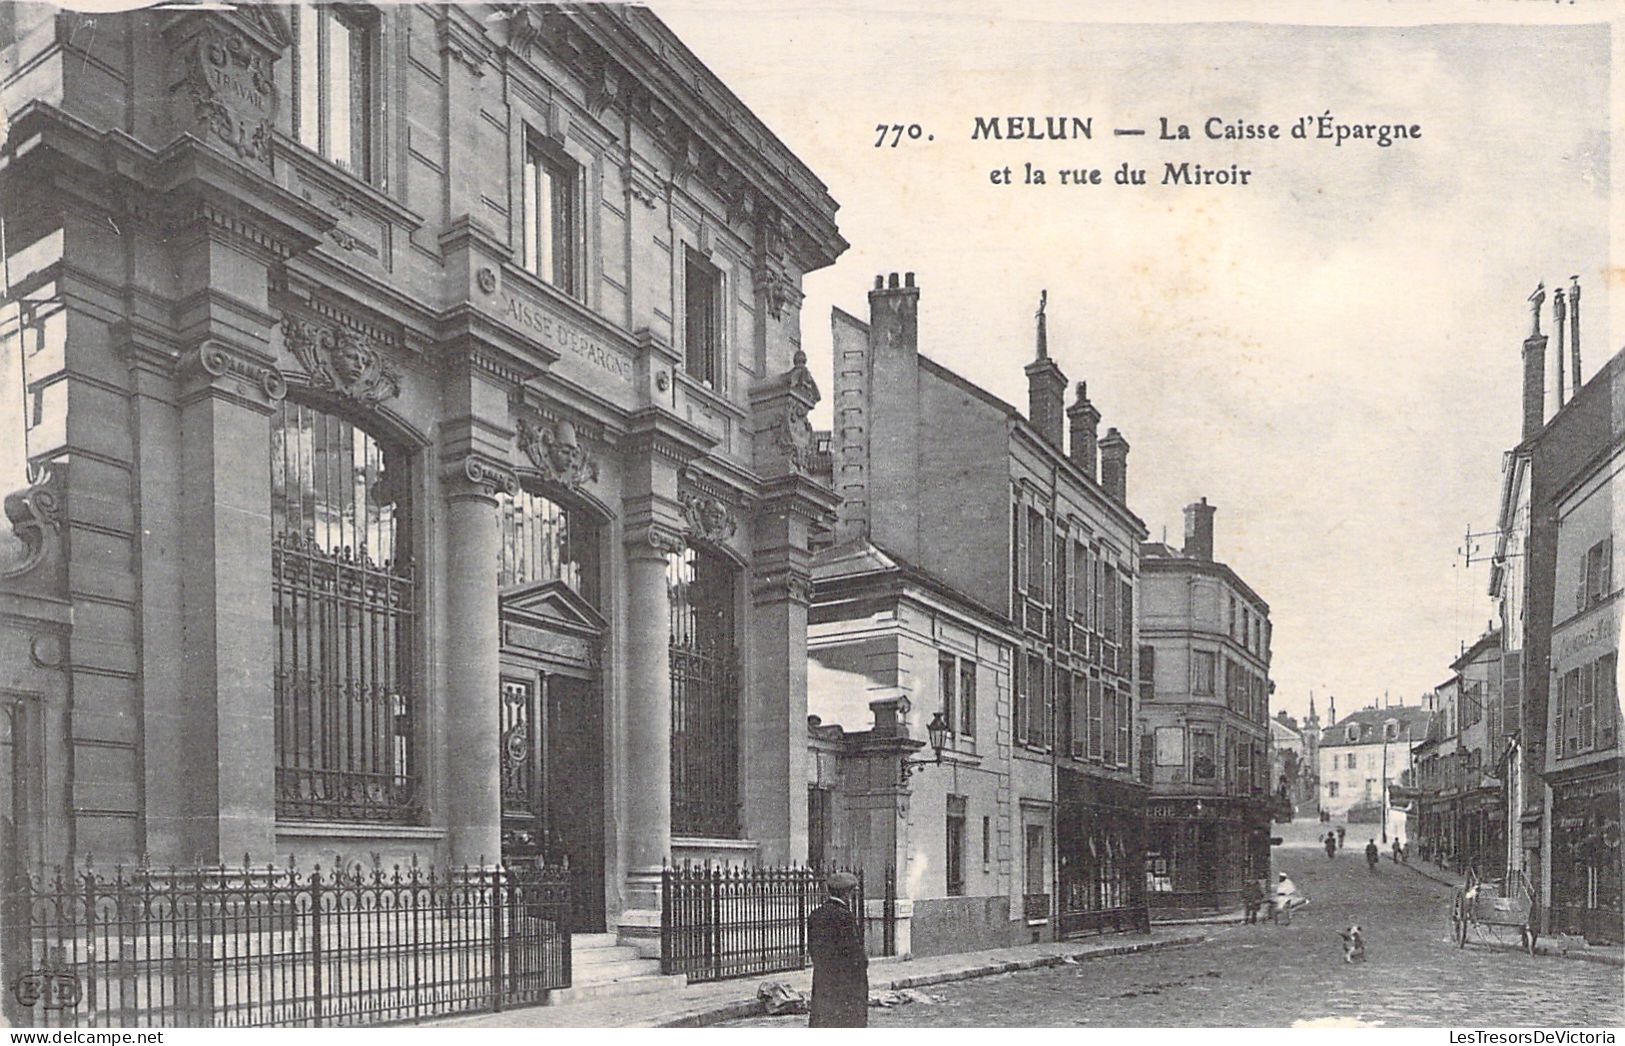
1585,892
1201,850
1101,848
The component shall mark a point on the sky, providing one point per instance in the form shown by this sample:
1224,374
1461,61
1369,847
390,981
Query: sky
1329,354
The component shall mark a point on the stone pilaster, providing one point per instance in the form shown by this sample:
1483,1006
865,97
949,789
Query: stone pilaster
774,715
658,447
227,395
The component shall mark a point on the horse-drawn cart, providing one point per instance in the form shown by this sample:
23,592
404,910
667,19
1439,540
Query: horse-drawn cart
1491,911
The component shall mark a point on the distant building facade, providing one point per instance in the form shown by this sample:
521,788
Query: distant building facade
982,572
1362,754
1204,677
1459,820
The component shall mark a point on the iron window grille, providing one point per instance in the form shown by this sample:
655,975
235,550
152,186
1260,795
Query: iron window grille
345,611
543,540
704,695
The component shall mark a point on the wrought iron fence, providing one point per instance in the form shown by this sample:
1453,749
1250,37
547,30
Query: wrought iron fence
717,923
263,947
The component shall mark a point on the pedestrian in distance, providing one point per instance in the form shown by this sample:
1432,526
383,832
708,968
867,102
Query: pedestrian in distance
1371,855
1331,846
1340,830
840,987
1252,896
1396,850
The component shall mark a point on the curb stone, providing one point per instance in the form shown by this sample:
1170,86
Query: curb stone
704,1016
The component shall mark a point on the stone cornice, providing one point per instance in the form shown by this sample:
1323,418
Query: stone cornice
187,183
660,433
800,495
630,60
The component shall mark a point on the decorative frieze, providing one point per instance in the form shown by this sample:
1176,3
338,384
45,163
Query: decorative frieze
341,360
556,451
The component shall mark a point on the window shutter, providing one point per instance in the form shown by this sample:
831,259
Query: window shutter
1047,685
1023,582
1019,672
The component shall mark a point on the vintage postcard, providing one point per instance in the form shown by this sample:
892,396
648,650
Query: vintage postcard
779,514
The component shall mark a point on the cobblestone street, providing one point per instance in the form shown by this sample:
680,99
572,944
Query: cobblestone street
1274,976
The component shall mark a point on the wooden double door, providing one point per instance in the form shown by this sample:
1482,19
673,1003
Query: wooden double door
552,756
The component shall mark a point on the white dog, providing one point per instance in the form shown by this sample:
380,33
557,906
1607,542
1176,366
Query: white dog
1353,944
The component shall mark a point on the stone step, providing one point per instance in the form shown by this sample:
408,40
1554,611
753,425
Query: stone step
630,987
613,971
585,941
587,957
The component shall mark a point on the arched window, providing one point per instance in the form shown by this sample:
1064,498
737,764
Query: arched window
704,695
345,612
543,540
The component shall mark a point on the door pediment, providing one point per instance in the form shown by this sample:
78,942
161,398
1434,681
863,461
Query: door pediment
553,605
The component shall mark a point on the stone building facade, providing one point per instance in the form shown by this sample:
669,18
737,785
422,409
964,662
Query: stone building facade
1204,677
973,552
1364,754
1543,585
415,392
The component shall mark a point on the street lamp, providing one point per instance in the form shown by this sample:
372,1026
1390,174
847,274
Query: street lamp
937,730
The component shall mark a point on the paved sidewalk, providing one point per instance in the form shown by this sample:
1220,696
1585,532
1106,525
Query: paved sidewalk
1560,946
699,1005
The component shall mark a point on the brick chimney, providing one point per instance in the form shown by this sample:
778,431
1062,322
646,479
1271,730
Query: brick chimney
894,316
1114,465
1085,421
1046,388
1534,370
1199,530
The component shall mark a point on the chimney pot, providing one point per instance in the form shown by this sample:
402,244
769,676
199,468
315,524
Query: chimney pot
891,281
908,279
880,282
1574,328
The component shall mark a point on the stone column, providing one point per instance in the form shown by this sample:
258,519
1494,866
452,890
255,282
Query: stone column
473,793
648,711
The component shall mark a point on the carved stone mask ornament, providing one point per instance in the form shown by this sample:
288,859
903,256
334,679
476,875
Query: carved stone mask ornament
557,453
342,361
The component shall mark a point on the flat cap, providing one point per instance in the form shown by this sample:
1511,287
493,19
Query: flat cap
842,881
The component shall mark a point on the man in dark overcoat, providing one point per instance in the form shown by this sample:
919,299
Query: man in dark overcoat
840,988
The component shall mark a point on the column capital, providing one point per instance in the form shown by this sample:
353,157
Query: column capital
478,476
653,540
790,584
241,375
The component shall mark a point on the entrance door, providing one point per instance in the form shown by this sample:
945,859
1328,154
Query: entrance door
573,792
552,782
